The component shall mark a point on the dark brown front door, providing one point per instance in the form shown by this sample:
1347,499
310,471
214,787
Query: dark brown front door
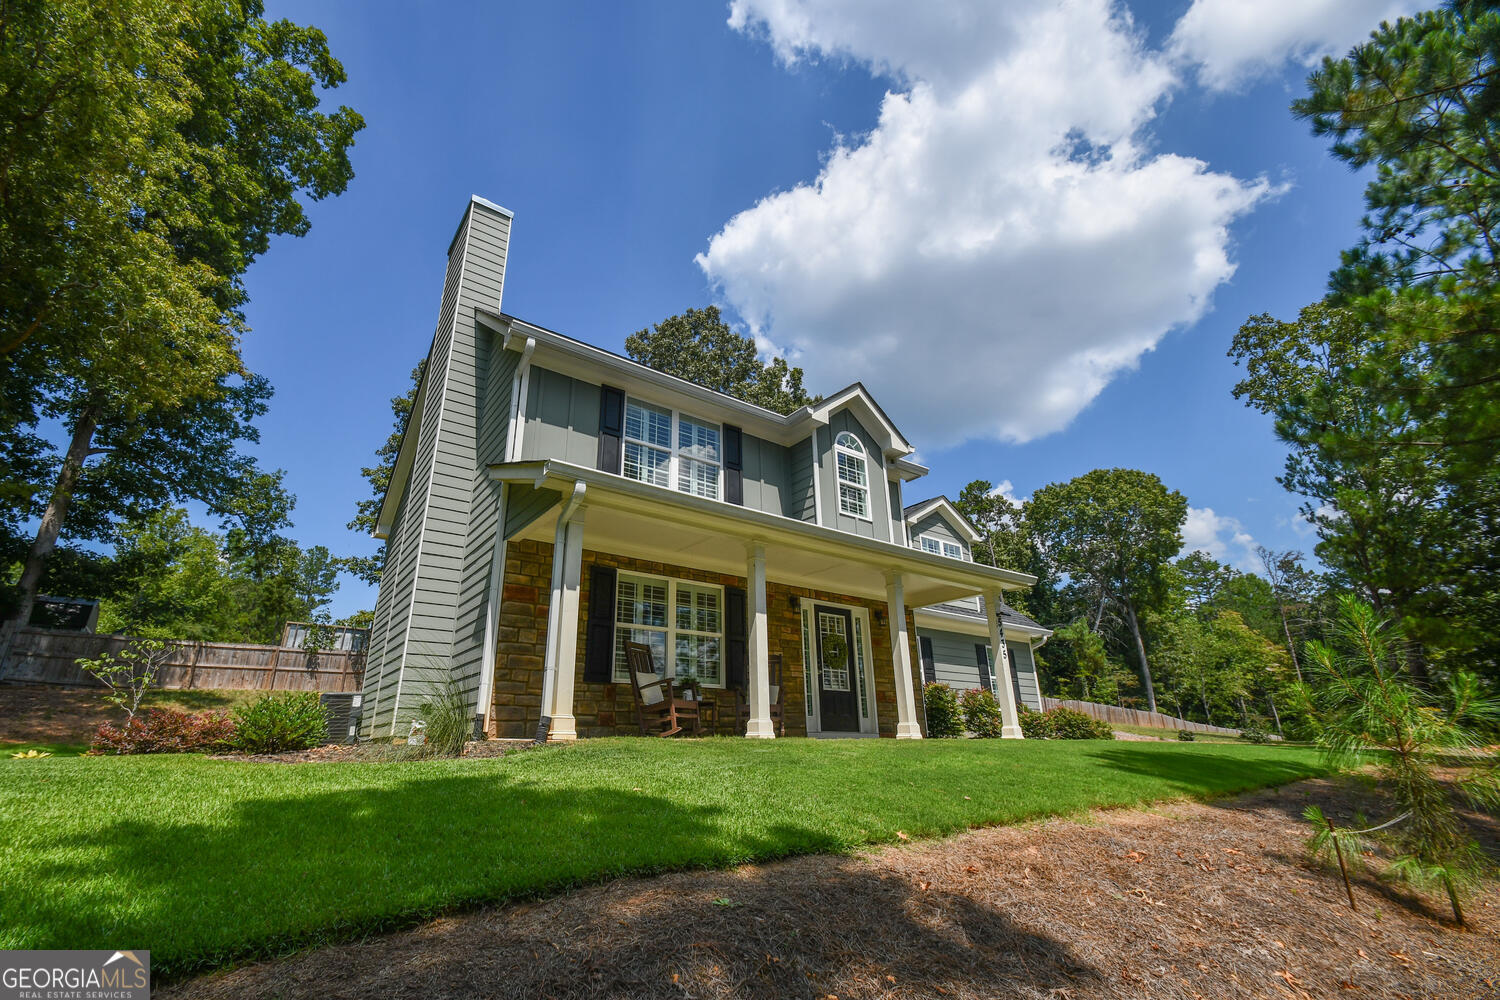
838,691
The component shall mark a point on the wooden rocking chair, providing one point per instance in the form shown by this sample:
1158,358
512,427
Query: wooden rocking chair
656,705
742,699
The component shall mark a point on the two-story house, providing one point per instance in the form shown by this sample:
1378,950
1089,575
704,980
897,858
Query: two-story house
551,501
953,638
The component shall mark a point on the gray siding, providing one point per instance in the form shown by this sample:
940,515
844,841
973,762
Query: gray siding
1024,664
879,525
525,504
957,666
766,472
422,593
937,525
562,423
562,419
800,496
898,519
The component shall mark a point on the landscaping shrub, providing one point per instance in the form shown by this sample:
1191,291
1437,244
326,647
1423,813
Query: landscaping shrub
981,713
165,730
1035,725
1255,732
450,723
276,723
943,719
1070,725
1186,735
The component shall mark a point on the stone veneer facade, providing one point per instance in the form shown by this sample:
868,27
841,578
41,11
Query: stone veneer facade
609,709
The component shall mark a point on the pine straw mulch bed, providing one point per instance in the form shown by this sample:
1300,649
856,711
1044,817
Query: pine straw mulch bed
1207,900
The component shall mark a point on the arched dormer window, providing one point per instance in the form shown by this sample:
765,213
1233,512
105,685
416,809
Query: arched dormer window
854,481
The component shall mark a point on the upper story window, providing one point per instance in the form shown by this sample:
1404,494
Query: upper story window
854,481
662,445
939,546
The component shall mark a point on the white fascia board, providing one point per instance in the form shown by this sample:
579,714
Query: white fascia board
750,523
857,397
950,513
906,470
939,618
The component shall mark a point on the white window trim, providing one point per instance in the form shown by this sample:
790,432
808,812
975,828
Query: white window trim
671,630
674,456
940,541
838,482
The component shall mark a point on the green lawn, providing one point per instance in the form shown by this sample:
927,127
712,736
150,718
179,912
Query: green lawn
206,861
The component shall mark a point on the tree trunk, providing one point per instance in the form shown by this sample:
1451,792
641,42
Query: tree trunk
1291,647
56,513
1140,647
1275,715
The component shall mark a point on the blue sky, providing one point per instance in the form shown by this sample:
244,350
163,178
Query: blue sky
908,209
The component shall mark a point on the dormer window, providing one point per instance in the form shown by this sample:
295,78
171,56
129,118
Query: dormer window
663,446
854,481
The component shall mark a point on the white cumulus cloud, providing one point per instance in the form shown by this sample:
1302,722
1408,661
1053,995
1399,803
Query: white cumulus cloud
1233,41
1222,537
1005,241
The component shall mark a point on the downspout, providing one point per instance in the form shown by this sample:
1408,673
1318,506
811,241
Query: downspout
484,699
554,609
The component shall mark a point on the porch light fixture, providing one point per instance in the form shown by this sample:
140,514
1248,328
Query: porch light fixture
879,616
797,603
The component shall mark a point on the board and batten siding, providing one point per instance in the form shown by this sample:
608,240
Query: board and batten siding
936,525
801,497
562,423
956,663
432,537
879,525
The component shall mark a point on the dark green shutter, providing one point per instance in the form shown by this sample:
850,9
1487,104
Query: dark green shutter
929,666
734,465
611,429
736,638
599,636
982,654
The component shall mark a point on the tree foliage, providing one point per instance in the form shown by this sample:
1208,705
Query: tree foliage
149,151
700,347
367,511
1113,532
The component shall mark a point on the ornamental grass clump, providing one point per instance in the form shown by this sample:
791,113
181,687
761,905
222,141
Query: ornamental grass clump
1370,712
981,713
943,718
450,721
279,723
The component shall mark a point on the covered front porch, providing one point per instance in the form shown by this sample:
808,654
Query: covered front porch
800,590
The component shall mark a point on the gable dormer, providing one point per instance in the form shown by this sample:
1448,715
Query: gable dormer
938,527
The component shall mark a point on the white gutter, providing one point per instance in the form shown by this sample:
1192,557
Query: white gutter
554,607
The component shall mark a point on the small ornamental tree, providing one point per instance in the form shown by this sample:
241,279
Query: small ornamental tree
1371,712
130,673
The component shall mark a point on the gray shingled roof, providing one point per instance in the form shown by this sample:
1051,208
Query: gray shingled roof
1008,614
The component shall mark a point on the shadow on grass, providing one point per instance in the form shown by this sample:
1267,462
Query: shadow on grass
1205,773
286,872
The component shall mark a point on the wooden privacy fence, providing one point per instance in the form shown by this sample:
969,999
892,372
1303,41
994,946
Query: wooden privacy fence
44,656
1117,716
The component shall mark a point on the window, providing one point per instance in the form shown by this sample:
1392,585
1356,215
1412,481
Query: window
655,454
939,546
686,618
835,674
648,443
854,485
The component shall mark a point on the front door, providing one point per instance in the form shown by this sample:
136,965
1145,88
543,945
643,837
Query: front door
837,695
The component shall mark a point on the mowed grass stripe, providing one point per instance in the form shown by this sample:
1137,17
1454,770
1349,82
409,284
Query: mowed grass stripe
205,861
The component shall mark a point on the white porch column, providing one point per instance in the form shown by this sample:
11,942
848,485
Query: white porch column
564,649
758,681
907,725
1005,686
